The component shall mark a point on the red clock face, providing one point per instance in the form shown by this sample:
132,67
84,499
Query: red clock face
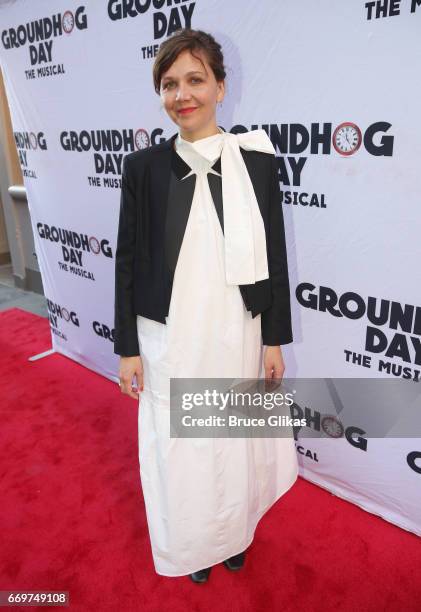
141,139
332,427
347,138
68,22
94,245
33,140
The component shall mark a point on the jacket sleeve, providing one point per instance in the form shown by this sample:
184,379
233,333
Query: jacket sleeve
276,320
125,325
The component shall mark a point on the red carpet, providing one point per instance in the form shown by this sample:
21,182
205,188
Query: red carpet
72,514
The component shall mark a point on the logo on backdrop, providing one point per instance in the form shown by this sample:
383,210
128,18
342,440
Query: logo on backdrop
296,143
164,23
413,459
39,35
308,453
392,337
25,143
384,10
60,318
329,426
108,148
76,248
103,331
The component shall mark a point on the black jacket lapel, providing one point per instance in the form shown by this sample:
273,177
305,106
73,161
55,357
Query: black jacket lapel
174,197
215,186
160,169
180,198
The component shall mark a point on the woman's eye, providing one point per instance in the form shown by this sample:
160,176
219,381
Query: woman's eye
169,84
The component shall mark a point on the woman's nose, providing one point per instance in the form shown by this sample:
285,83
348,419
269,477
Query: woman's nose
183,92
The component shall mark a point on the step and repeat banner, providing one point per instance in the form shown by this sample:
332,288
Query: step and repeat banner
336,87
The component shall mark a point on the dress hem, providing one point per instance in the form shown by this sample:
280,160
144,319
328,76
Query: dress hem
243,548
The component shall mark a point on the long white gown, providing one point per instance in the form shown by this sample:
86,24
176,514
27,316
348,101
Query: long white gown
205,496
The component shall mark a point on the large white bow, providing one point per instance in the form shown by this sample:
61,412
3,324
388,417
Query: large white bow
245,238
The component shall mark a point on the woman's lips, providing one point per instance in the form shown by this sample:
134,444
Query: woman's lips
185,111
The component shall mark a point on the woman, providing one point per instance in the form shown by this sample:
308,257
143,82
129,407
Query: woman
201,286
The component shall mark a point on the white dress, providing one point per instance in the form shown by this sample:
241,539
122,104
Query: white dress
205,496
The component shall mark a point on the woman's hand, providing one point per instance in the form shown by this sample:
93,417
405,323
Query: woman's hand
130,367
274,363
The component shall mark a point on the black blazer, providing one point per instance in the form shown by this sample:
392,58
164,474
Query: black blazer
154,209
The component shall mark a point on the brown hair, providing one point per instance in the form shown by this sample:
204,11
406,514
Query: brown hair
181,40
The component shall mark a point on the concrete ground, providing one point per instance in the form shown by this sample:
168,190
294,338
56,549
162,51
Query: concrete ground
11,297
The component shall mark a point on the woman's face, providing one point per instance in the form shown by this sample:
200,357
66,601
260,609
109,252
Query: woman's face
187,84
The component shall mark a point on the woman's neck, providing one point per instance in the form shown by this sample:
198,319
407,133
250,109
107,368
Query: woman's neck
193,136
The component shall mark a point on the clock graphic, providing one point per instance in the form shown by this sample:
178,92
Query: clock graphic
347,138
94,245
332,426
33,140
68,22
141,139
66,314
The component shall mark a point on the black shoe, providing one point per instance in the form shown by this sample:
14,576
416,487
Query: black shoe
236,562
201,575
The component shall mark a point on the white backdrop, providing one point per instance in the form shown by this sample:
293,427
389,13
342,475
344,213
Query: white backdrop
79,86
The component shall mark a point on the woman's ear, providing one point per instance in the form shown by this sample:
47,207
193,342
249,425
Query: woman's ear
221,91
